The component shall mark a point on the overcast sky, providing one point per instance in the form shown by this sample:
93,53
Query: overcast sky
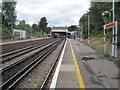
57,12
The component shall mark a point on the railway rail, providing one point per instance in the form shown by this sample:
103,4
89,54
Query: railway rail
13,54
19,45
15,72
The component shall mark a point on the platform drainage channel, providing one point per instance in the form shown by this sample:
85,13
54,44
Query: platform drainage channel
88,58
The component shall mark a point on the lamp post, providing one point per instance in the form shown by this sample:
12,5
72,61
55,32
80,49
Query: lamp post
113,31
31,33
88,29
81,34
103,14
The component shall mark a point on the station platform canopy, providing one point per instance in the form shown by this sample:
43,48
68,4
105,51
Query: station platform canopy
59,29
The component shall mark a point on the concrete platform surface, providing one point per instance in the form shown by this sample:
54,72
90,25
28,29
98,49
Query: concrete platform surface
67,75
96,73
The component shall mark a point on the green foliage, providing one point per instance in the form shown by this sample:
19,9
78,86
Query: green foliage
48,29
5,33
42,24
8,17
37,34
8,14
35,27
97,20
73,28
22,25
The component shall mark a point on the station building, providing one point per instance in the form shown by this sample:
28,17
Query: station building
19,34
71,34
59,32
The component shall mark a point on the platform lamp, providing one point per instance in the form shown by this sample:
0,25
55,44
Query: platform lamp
88,29
105,16
81,32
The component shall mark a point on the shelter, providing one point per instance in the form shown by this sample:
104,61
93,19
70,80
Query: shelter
71,34
19,34
59,31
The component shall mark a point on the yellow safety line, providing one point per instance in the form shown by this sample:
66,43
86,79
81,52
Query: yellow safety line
80,80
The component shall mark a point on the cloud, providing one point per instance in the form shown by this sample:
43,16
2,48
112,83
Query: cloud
57,12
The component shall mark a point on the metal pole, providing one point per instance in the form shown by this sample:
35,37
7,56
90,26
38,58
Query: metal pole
81,36
113,36
88,30
12,31
104,40
31,33
116,40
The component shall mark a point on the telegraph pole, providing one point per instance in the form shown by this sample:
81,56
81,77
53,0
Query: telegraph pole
88,30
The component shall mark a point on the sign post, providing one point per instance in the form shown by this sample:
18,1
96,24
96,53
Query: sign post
116,39
113,31
104,40
107,26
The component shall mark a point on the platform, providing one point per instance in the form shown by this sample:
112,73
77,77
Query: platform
74,72
67,74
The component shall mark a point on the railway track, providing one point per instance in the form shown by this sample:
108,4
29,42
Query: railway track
19,45
15,72
13,54
44,84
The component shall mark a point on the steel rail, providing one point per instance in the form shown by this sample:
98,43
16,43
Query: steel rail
17,77
10,46
51,69
28,49
19,53
26,58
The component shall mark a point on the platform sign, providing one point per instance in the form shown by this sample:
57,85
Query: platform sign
110,25
107,26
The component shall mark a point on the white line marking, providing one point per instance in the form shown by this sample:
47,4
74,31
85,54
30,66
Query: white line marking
55,77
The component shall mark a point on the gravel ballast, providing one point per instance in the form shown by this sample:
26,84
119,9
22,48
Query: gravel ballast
36,76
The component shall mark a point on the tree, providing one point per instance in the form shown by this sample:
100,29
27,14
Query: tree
73,28
21,25
8,14
48,29
35,27
42,24
97,21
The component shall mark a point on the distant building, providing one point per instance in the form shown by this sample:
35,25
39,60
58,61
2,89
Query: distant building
71,34
59,31
19,34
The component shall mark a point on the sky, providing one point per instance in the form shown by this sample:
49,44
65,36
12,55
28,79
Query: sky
57,12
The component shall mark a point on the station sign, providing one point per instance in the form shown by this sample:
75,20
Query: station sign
110,25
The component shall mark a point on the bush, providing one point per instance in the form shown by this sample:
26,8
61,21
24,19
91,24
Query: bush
5,33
